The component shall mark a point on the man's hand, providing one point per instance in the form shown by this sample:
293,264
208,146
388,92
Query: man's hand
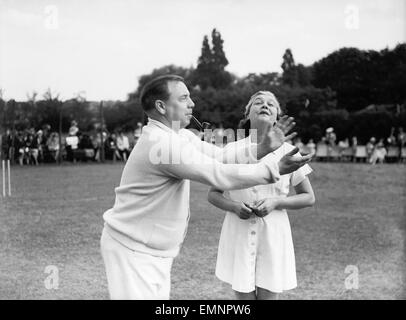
242,210
275,135
289,162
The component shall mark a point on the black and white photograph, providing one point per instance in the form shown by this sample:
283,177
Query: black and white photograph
202,150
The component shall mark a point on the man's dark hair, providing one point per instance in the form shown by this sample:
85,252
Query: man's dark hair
157,89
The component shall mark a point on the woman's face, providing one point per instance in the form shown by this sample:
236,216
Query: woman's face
264,107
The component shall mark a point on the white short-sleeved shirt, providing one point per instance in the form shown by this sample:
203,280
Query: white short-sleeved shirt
259,251
123,143
72,141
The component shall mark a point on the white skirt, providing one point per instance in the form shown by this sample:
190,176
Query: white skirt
257,252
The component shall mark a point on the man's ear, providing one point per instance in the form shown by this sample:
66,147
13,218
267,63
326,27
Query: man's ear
160,107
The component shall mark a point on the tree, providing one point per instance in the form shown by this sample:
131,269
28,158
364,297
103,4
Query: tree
309,99
49,95
394,83
168,69
210,70
32,98
47,110
220,78
78,109
289,76
219,57
3,111
123,115
304,75
202,75
361,78
263,81
206,58
288,60
293,74
344,71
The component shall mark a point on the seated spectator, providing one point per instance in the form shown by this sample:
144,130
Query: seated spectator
322,150
72,142
343,144
46,129
370,148
41,145
391,140
379,153
20,149
110,147
346,151
123,146
330,137
330,140
32,144
97,145
53,146
74,129
311,146
86,144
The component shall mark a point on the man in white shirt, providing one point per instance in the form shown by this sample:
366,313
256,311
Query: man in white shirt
123,146
145,228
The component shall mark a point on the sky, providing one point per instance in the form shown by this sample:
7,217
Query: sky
101,47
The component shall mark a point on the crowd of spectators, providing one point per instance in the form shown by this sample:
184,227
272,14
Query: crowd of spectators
393,148
32,147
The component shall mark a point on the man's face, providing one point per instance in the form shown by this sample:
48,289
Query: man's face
179,106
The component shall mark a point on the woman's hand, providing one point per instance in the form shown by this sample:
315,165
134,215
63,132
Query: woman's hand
276,135
242,211
265,206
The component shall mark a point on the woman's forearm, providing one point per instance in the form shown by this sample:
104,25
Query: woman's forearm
297,201
218,200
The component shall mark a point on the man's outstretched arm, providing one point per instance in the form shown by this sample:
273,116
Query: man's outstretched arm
273,138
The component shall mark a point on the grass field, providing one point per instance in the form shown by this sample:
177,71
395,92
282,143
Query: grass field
54,217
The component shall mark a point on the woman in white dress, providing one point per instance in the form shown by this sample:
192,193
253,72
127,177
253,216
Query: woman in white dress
255,253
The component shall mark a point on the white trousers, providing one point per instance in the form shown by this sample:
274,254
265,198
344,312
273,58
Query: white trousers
132,275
